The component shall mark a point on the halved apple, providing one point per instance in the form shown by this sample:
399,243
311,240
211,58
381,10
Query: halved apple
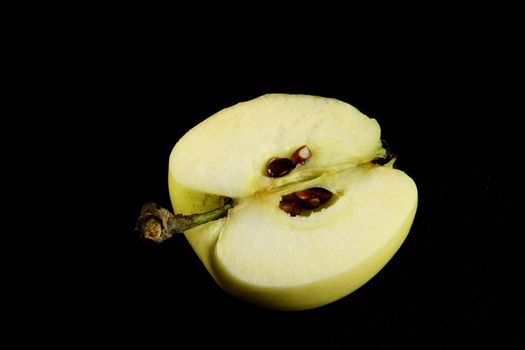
259,252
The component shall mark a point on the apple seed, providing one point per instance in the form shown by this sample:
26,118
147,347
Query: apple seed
308,199
301,155
278,167
311,203
304,195
323,194
291,204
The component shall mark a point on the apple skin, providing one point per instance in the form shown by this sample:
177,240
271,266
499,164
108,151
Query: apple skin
205,239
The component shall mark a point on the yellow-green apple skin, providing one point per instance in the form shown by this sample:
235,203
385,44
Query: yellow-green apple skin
260,253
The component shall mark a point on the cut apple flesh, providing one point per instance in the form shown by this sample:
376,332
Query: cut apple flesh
262,254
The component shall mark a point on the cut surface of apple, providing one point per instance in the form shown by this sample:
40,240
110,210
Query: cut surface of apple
259,252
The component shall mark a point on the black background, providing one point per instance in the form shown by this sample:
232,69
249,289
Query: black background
85,279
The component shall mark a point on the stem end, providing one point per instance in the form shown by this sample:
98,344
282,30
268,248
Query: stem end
155,223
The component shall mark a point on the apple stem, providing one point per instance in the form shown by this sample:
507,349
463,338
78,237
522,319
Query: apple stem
159,224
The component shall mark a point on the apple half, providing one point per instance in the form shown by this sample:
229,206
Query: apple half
262,254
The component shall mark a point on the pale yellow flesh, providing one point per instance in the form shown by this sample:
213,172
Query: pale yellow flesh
225,155
260,253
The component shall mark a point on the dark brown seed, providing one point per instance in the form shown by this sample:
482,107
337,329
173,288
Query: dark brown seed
301,155
308,199
278,167
304,195
323,194
290,204
311,203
